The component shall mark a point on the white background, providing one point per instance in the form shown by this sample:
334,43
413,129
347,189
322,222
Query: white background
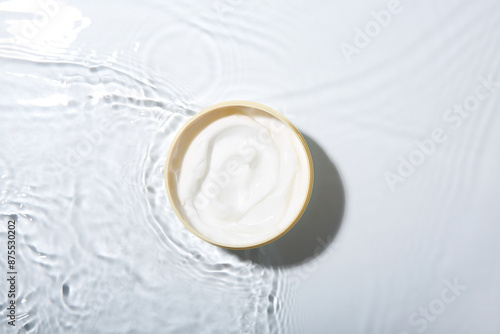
369,256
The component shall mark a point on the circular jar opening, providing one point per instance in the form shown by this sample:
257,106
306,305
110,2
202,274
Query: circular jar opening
239,175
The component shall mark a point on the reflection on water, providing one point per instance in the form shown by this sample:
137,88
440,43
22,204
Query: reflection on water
100,249
93,93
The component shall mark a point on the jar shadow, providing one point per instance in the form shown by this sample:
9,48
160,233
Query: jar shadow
318,226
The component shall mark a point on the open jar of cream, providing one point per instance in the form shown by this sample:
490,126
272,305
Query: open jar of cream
239,175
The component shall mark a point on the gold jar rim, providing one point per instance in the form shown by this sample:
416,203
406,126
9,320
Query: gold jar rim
169,176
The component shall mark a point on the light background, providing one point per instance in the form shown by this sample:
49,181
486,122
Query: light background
100,250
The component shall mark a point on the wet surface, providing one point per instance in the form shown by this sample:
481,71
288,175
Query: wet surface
93,93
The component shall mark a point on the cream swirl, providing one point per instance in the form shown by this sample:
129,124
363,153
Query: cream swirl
243,178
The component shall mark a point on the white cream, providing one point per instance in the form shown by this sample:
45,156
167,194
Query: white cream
243,179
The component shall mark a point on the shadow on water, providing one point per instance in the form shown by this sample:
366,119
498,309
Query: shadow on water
319,224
